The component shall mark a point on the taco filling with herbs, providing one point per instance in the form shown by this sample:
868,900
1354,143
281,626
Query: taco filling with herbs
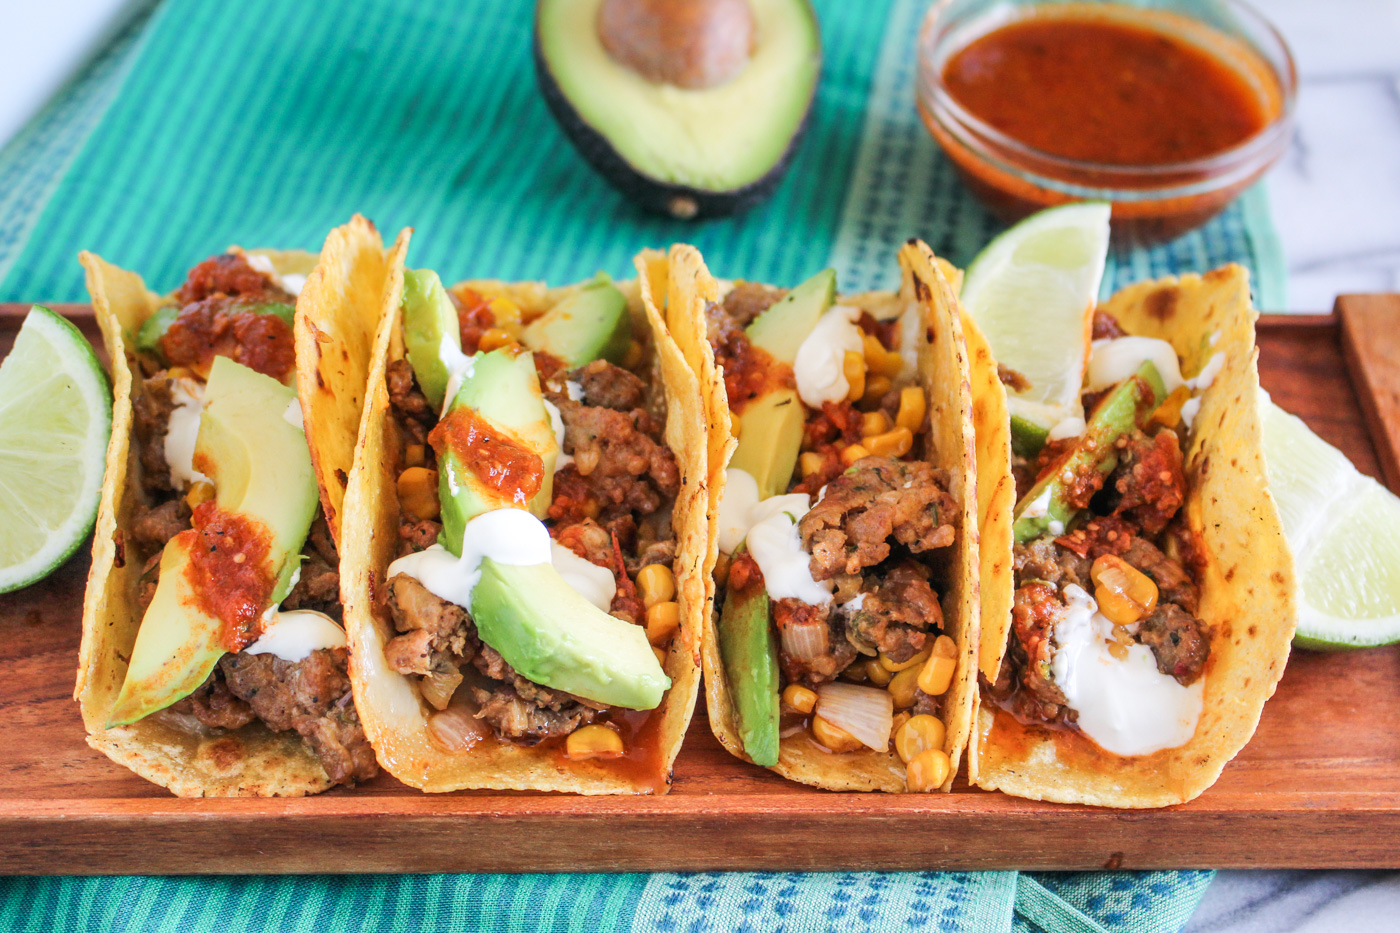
223,583
1105,636
541,577
846,584
1150,588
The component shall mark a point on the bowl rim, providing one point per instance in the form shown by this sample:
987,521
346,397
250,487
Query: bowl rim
1206,173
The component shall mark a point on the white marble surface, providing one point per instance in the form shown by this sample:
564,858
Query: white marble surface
1336,194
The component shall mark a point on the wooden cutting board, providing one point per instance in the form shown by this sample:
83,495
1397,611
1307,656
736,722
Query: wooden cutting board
1318,787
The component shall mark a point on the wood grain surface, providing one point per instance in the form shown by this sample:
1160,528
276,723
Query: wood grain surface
1318,787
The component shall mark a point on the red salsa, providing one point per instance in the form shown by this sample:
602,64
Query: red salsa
230,573
1105,90
496,459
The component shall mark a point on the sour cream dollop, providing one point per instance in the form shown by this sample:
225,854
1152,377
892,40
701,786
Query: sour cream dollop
292,282
777,549
459,366
292,636
739,497
507,536
1125,705
819,367
1115,359
595,584
556,422
183,431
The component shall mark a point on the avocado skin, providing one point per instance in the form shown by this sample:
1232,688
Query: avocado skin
680,201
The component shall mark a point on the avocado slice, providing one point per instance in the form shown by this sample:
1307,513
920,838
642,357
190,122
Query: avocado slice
750,657
770,437
590,324
1129,405
781,329
155,327
429,318
1027,437
687,148
503,392
553,636
261,468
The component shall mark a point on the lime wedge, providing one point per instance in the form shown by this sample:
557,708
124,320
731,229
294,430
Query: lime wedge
1344,531
55,420
1032,291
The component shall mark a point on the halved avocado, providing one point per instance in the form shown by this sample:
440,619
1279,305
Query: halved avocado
689,108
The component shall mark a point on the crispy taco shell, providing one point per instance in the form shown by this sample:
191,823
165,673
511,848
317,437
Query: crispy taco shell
688,286
175,751
394,715
1247,585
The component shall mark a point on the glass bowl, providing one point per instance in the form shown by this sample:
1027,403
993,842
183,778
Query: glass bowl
1150,203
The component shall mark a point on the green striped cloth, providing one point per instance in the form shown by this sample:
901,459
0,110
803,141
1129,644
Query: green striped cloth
266,123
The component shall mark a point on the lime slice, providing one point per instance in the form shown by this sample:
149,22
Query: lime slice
1344,531
1032,291
55,420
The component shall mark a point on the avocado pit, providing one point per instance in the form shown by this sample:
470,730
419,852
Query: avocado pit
689,43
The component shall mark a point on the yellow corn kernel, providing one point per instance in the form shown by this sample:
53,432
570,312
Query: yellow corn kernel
927,771
876,388
853,367
418,493
736,427
853,453
803,699
415,455
593,741
894,667
1169,412
873,423
879,360
945,647
656,584
660,656
903,686
918,734
912,408
894,443
493,339
834,737
937,674
199,493
633,357
504,311
809,463
876,673
662,621
1124,593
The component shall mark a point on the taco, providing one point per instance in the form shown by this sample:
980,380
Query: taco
843,650
1149,584
212,658
526,522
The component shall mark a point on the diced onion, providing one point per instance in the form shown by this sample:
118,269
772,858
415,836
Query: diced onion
865,712
437,688
805,642
455,729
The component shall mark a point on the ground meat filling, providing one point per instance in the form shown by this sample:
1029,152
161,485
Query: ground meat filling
1133,513
899,617
311,696
611,506
877,500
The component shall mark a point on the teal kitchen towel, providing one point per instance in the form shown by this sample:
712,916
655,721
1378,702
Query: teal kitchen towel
739,902
267,123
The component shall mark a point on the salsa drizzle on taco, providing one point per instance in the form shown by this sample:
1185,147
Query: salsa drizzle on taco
1105,636
237,595
536,599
